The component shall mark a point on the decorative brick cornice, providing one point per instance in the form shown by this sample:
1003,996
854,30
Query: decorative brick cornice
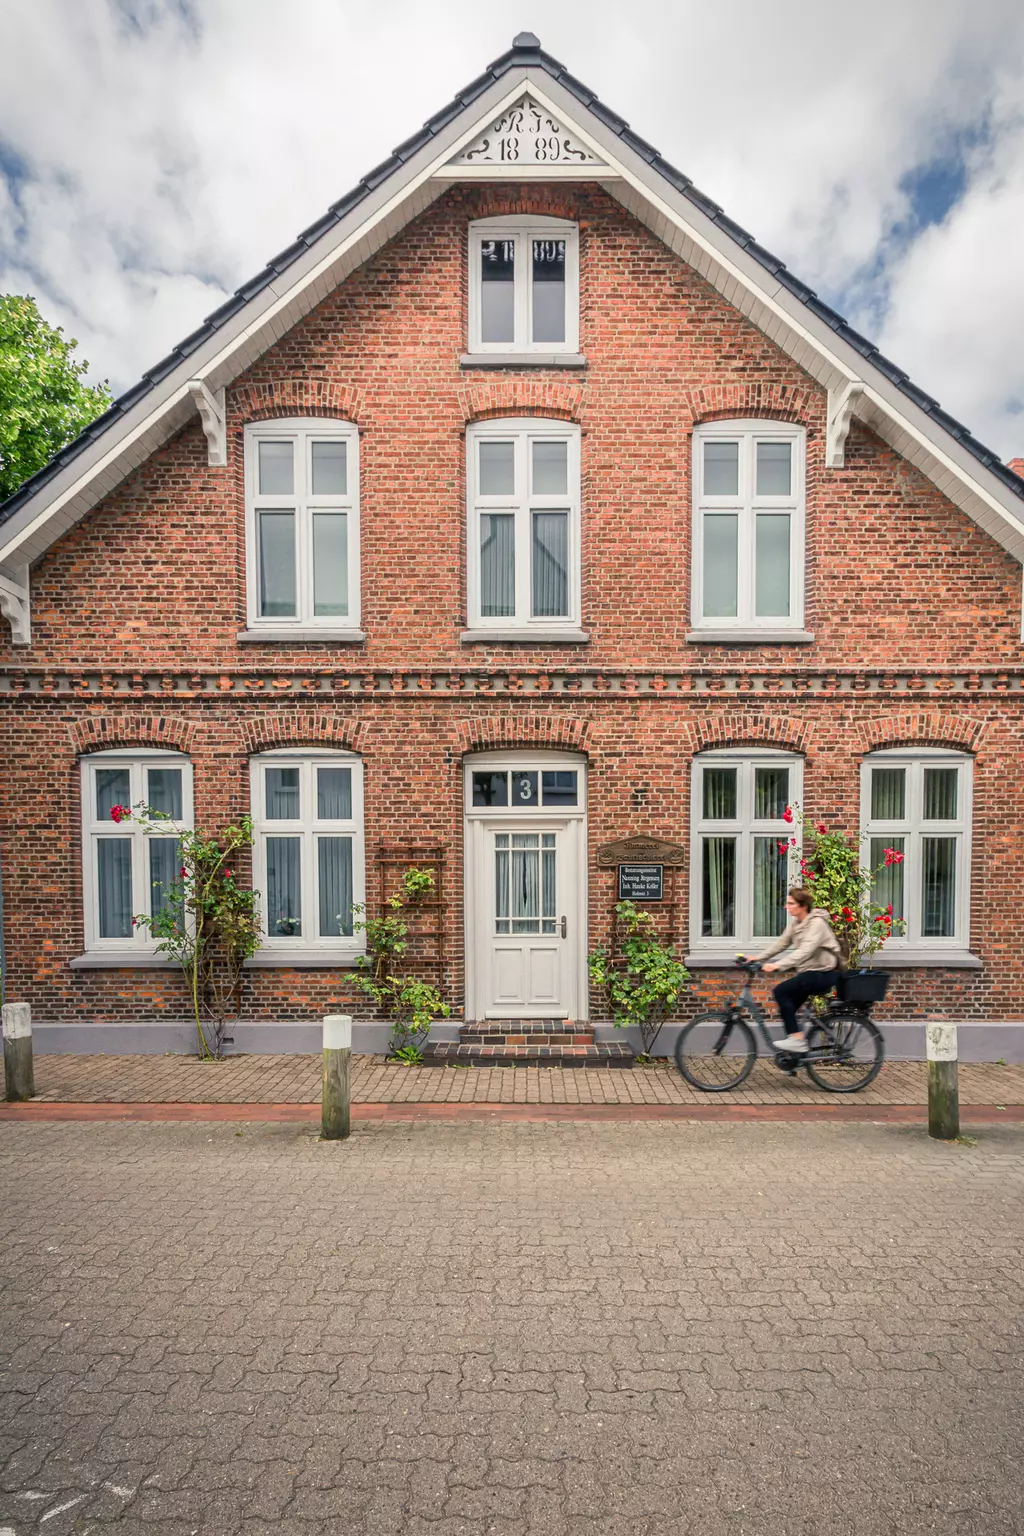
301,728
523,397
489,732
911,728
292,397
99,733
763,398
750,729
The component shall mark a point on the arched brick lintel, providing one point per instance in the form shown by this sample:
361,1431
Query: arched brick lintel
740,402
512,732
102,733
751,730
920,728
302,728
293,397
523,397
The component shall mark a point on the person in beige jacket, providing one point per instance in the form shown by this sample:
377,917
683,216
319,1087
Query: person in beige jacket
810,948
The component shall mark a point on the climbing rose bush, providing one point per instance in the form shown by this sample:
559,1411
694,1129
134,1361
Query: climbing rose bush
830,868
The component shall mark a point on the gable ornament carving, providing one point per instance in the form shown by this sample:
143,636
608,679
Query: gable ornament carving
525,134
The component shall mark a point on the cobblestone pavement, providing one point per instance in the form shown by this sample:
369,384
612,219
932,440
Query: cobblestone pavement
296,1080
486,1330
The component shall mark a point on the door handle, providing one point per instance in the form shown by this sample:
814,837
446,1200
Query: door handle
565,928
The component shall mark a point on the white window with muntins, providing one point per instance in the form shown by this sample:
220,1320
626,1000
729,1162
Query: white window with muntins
130,865
302,526
741,848
526,880
308,855
523,286
748,527
523,534
917,803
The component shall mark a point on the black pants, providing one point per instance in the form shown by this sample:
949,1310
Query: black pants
790,994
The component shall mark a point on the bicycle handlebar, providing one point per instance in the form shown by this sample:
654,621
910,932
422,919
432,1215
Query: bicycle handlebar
744,963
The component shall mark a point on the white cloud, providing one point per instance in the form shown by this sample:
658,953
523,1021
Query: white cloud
169,147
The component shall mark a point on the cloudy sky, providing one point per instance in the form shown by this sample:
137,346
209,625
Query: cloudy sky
155,153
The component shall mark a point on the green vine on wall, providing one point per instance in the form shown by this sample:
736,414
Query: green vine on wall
643,986
412,1004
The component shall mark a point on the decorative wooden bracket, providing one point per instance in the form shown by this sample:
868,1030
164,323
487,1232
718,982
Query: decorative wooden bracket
15,604
211,411
841,407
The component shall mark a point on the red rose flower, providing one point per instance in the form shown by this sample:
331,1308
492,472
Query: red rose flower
119,812
182,872
886,918
792,842
821,828
787,814
783,847
849,914
893,857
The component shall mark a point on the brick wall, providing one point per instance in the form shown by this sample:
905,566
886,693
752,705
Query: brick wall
915,612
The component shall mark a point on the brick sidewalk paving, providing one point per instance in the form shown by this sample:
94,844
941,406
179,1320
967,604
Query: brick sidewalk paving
296,1080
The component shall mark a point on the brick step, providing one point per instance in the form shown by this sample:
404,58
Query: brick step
554,1037
475,1027
576,1055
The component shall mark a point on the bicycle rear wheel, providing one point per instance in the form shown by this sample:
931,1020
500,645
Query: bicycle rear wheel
845,1053
715,1052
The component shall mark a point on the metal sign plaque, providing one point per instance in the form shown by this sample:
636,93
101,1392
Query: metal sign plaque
641,882
641,850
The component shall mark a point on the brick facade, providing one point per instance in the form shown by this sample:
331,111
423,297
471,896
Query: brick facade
915,612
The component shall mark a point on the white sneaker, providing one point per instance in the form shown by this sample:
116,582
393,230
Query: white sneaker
794,1045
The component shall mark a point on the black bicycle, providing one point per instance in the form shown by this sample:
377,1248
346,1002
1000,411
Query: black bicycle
716,1051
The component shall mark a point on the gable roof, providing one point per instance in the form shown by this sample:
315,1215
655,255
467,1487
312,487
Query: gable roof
385,199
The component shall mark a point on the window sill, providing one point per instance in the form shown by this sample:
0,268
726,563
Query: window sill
902,960
301,636
524,637
303,960
123,960
749,637
522,360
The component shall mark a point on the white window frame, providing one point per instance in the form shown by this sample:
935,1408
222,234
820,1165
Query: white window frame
524,431
522,228
911,948
303,432
136,761
744,828
308,947
746,504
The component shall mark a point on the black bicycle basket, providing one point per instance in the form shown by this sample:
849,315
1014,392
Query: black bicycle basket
867,986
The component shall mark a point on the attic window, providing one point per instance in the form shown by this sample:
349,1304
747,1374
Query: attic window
524,286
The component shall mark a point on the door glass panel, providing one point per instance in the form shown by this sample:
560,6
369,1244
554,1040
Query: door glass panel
501,872
887,885
771,570
277,472
559,787
550,565
114,861
282,794
888,794
334,794
938,887
497,290
490,789
774,472
497,469
164,793
721,469
549,290
163,871
720,794
284,888
113,787
330,564
525,882
721,567
550,469
718,876
330,469
277,564
940,794
524,789
770,870
334,885
548,892
771,793
497,565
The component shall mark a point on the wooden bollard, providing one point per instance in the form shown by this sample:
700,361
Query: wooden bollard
18,1073
336,1114
943,1084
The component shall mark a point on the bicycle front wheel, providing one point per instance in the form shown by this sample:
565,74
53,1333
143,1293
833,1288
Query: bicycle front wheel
844,1053
715,1052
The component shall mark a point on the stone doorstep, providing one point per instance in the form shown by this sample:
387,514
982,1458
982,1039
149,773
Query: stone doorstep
477,1054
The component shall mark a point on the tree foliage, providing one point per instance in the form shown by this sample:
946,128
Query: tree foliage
43,402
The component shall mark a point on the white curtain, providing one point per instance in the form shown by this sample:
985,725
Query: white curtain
163,870
114,861
334,872
887,885
550,564
497,565
525,883
719,916
282,788
334,794
284,887
770,868
888,794
938,887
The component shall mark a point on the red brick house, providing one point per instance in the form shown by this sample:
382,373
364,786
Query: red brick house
522,506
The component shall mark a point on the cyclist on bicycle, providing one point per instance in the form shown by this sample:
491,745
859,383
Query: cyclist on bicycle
810,948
